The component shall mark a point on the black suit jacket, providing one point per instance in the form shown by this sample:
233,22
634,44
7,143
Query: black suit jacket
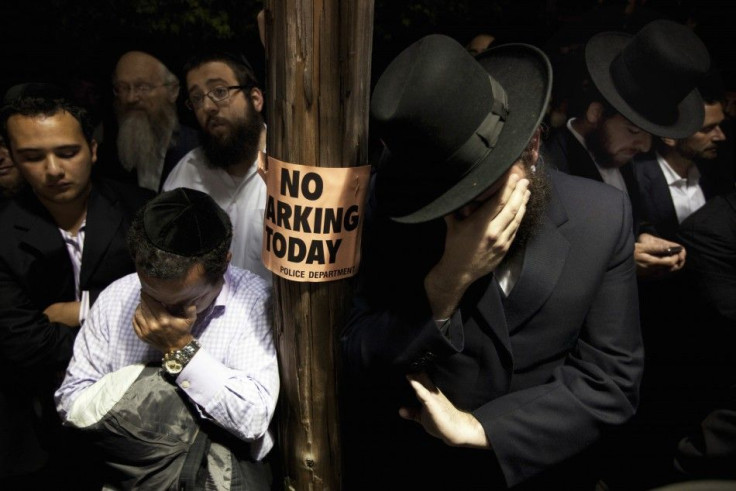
658,215
36,271
709,452
545,370
564,152
709,235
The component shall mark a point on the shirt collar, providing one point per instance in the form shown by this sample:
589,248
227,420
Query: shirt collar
672,177
224,295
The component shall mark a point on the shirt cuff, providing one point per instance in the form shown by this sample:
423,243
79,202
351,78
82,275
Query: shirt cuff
83,306
203,377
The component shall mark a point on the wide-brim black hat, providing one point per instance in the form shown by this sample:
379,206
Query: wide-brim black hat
454,124
650,77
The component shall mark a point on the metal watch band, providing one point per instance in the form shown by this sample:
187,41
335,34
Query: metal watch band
175,361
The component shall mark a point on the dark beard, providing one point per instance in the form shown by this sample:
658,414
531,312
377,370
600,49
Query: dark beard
596,144
699,157
238,146
536,207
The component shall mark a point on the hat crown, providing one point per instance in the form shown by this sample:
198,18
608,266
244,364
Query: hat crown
659,67
430,100
650,78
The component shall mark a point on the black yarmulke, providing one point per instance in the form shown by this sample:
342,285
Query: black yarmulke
185,222
34,89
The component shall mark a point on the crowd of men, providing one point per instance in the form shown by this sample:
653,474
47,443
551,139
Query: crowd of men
536,307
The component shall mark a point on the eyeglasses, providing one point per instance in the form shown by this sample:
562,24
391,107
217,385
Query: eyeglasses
218,94
142,89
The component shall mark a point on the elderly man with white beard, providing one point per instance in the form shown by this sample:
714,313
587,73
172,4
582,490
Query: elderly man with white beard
148,139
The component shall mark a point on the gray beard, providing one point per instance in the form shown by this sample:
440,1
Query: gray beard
142,140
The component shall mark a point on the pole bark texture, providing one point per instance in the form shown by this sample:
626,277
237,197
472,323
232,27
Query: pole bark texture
318,56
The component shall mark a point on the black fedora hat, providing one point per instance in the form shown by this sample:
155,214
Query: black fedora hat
650,77
453,124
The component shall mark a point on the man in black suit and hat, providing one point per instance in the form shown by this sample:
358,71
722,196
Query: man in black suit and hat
637,86
495,335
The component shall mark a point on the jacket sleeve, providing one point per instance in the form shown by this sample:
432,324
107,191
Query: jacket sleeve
28,339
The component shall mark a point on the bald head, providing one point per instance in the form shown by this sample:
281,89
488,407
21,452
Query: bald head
480,43
140,62
139,76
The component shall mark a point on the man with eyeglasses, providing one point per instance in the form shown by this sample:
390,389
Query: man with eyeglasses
223,93
149,139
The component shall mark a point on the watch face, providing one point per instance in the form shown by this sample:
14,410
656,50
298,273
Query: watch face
173,366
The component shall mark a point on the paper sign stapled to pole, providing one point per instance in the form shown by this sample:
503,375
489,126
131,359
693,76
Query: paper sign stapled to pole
313,219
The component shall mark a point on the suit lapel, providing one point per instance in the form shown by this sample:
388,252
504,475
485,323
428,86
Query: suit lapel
486,295
708,186
39,237
663,208
103,220
38,231
632,187
544,259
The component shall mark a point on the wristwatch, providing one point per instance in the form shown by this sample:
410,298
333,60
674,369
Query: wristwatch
175,361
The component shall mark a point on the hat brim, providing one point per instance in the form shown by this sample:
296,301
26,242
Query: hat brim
526,75
600,51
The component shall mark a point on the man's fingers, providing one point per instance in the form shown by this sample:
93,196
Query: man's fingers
410,414
423,386
190,312
139,322
505,224
494,207
145,305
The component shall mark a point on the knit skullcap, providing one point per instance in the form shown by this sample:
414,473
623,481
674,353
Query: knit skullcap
185,222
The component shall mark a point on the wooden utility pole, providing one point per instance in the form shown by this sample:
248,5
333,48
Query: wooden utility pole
318,87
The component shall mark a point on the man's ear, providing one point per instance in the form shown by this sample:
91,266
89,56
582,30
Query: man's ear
594,113
229,256
670,142
173,92
256,96
534,145
93,150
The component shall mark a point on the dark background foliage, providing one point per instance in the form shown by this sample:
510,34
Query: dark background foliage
73,40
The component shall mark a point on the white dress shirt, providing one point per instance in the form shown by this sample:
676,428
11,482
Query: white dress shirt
687,195
75,248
